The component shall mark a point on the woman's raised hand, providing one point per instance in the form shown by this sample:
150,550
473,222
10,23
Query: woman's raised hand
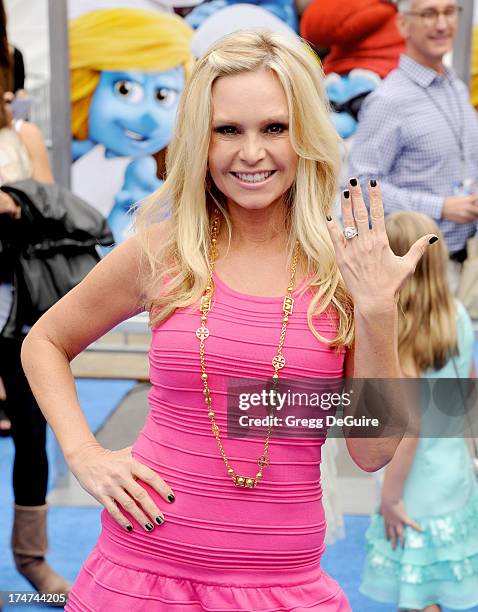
372,272
114,478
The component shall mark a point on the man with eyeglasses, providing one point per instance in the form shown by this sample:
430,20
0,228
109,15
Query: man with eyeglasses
418,133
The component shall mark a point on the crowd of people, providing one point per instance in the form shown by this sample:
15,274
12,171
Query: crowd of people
253,276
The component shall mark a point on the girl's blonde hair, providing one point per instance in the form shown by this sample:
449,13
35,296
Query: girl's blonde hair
427,334
180,263
121,39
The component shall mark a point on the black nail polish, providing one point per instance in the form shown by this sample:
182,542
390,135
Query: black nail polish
149,526
328,218
373,183
171,497
346,194
129,528
353,182
433,239
159,520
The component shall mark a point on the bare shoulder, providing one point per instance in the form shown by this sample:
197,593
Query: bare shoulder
155,236
34,143
126,266
156,233
31,134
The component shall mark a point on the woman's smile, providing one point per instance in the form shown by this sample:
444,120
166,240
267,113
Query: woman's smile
253,179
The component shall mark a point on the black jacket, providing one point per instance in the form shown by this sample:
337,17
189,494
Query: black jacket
48,250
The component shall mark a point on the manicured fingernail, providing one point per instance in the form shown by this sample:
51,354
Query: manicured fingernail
171,497
353,182
149,526
373,183
328,218
433,239
346,194
129,528
159,520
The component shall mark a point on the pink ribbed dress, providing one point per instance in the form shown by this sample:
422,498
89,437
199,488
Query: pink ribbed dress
221,548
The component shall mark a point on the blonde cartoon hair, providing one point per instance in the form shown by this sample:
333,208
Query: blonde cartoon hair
427,335
180,265
474,68
122,39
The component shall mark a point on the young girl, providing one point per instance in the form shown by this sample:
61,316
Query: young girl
422,546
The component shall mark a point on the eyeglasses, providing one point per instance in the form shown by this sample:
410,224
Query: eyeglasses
429,17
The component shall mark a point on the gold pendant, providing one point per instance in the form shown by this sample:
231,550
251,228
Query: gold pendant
202,333
205,304
278,362
288,305
245,482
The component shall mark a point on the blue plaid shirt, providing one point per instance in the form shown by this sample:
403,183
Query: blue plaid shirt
405,142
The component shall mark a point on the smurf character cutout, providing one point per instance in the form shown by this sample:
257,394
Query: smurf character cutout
364,44
128,69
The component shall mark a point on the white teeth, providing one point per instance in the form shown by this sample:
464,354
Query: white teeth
253,178
134,135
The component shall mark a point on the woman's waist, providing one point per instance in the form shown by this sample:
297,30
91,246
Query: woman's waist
213,523
197,471
187,546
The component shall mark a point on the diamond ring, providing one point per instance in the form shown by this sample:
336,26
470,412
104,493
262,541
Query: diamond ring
350,232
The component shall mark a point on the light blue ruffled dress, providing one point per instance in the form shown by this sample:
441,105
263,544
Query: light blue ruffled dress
440,564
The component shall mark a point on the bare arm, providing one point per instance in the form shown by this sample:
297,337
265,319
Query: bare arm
108,295
392,508
375,356
111,293
396,472
33,140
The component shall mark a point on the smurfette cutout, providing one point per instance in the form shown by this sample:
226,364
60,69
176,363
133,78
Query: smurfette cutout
128,69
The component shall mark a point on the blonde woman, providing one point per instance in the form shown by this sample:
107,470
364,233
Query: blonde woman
194,519
422,549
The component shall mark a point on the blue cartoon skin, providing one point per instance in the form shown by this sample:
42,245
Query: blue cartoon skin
283,9
132,114
346,93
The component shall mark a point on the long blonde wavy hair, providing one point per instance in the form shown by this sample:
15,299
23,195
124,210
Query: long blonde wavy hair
180,264
427,335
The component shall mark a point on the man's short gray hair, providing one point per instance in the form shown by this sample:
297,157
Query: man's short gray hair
403,6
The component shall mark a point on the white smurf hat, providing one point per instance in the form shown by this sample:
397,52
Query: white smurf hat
233,18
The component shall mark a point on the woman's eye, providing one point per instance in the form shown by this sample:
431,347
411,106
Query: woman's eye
129,90
226,130
166,97
276,128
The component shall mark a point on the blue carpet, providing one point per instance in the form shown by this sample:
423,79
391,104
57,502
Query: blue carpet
72,531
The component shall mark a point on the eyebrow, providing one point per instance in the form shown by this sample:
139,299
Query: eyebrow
163,80
226,121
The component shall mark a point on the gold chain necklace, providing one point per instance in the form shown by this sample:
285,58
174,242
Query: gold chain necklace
278,362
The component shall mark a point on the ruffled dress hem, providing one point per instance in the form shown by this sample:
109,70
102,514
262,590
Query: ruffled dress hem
104,584
436,566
